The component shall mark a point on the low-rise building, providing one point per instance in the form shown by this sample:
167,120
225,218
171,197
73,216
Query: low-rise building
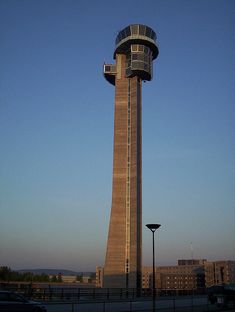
99,274
69,278
188,275
180,277
177,277
192,261
219,272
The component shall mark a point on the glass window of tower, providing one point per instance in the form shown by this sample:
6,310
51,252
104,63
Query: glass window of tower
142,30
134,47
153,35
122,35
128,31
148,32
134,29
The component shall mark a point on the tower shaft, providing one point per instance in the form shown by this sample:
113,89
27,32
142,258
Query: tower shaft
123,257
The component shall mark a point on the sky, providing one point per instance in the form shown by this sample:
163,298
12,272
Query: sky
56,130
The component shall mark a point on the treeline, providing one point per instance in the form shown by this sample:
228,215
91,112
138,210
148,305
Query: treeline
7,275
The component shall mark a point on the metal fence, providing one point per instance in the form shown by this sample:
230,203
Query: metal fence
183,304
57,292
74,299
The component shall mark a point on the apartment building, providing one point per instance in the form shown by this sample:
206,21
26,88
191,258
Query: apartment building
187,275
219,272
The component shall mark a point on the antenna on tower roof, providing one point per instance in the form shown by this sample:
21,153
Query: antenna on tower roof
191,249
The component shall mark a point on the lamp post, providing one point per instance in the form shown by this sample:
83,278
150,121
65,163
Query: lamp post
153,228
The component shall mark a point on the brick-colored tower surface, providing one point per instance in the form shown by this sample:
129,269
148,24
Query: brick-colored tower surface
133,54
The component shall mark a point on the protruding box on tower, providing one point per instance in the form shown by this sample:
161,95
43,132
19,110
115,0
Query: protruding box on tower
110,73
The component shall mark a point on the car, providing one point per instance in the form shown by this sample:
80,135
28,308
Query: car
13,302
221,294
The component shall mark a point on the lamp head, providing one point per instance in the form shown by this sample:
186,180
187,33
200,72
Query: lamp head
153,227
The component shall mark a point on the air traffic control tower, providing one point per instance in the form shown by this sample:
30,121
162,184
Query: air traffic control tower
134,53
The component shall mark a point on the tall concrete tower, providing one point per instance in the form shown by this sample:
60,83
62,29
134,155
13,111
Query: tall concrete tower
134,52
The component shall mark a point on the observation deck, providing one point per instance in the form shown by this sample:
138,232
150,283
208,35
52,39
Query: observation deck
136,34
138,43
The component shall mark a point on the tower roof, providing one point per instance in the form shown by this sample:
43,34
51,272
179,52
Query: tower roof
136,34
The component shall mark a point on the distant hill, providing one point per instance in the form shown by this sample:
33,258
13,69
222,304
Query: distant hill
54,272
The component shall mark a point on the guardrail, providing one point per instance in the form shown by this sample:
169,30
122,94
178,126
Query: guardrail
50,292
74,299
183,304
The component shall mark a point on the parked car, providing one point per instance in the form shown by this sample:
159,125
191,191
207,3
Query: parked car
221,294
13,302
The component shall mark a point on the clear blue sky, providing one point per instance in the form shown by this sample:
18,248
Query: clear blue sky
56,130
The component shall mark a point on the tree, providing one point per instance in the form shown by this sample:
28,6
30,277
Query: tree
54,279
79,278
5,273
59,278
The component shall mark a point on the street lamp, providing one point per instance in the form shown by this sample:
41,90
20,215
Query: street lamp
153,228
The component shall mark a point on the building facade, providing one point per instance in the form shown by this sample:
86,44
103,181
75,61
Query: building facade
134,52
99,275
220,272
178,277
188,275
185,277
192,261
69,278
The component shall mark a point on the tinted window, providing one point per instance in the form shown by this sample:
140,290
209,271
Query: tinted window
140,57
141,65
146,59
134,47
153,35
118,39
15,297
142,30
146,50
135,65
148,32
4,297
121,35
134,29
128,31
146,67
